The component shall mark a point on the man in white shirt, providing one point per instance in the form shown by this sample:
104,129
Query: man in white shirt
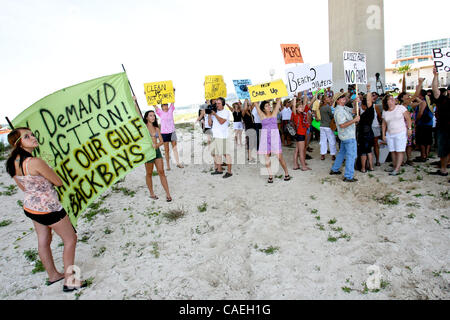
219,122
258,124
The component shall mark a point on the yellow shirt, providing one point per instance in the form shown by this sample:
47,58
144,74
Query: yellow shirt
316,107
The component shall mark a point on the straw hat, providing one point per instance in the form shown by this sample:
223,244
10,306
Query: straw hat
338,96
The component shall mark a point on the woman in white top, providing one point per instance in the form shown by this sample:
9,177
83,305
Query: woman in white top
394,131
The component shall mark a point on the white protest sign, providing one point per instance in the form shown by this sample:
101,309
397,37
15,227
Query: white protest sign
441,58
298,79
355,68
322,76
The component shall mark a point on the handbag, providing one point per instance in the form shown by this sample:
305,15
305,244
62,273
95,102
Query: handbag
333,126
292,128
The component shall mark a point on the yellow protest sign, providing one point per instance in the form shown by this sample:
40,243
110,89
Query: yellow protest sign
267,91
159,93
215,87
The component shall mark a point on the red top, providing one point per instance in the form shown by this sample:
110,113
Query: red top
301,119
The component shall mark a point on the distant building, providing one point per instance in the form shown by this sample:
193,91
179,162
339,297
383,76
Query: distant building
421,48
419,57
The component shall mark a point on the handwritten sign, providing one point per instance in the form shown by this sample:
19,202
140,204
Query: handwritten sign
441,58
159,93
322,76
291,53
355,68
241,87
298,79
267,91
92,135
215,87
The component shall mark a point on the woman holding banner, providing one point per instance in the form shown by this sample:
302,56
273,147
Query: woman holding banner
168,132
270,141
37,180
155,133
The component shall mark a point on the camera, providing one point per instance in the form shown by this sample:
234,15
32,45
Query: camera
211,108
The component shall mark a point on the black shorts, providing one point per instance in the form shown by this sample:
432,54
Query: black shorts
424,135
47,219
169,137
300,138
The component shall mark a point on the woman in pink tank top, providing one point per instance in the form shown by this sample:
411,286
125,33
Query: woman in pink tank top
41,204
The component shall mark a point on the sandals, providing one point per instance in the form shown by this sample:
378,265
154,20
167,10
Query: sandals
49,283
168,199
154,197
180,166
71,289
270,180
287,178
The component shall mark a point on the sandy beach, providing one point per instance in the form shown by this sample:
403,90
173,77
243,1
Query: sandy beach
313,237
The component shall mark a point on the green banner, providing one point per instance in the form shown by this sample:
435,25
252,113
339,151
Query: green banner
92,135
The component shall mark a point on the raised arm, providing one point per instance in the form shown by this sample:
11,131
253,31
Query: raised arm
435,84
231,108
369,97
419,87
294,105
277,107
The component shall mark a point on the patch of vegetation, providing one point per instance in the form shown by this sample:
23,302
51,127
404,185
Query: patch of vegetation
314,211
84,239
332,239
419,178
38,267
270,250
203,207
338,229
332,221
313,197
5,223
107,231
445,195
155,250
20,203
93,212
411,216
413,205
347,289
418,195
388,200
10,190
174,215
125,191
31,255
320,226
100,252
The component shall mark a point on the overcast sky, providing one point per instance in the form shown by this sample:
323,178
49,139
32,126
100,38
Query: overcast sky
48,45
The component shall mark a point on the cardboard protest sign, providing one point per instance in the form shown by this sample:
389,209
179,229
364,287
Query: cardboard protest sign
159,93
355,68
92,135
441,58
215,87
298,79
241,87
268,91
322,76
291,53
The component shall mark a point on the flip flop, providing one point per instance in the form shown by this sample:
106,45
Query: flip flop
154,197
270,180
49,283
287,178
296,169
168,199
70,289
